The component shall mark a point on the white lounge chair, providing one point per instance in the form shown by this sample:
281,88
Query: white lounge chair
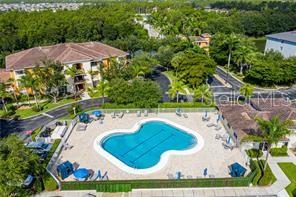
139,113
185,115
211,125
146,113
218,127
113,115
120,115
81,127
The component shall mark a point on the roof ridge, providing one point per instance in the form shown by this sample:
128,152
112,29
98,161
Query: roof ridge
84,52
72,49
78,44
23,53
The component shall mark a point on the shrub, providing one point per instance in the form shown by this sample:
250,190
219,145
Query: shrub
37,109
254,153
77,107
263,179
184,105
49,183
279,152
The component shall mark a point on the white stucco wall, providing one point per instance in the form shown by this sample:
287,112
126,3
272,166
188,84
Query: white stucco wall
287,49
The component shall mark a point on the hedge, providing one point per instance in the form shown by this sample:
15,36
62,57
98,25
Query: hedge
128,185
279,152
254,153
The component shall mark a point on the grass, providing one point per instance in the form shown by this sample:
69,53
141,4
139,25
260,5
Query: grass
24,113
254,153
279,152
35,133
265,179
290,170
49,183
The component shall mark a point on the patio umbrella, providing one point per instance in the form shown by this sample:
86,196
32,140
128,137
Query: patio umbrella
81,173
97,113
228,140
205,173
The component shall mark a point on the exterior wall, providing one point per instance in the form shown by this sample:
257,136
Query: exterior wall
292,142
287,49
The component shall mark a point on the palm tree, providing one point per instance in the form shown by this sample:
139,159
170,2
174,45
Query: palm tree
176,87
4,94
72,72
241,55
246,90
231,41
31,82
273,131
137,70
203,92
13,81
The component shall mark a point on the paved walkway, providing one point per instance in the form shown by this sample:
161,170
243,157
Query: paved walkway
276,189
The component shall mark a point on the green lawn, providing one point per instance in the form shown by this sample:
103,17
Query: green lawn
35,133
290,170
24,113
268,177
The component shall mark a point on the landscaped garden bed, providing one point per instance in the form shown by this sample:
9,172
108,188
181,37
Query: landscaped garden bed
290,171
279,152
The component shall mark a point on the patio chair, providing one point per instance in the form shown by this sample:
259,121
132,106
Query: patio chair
218,127
138,113
206,118
120,115
226,146
211,125
75,165
81,127
146,113
171,176
113,115
185,115
218,137
90,173
178,112
94,176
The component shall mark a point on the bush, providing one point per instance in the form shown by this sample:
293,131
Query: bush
279,152
49,183
185,105
77,107
254,153
263,179
37,109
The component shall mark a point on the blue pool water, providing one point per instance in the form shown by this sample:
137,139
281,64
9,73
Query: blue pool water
144,148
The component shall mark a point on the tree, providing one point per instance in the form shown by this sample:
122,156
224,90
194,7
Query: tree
143,64
53,78
164,55
13,81
140,93
16,163
175,88
4,94
231,43
273,131
241,55
246,90
32,84
204,93
193,68
72,72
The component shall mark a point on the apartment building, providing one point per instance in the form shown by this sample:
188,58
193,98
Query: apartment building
86,57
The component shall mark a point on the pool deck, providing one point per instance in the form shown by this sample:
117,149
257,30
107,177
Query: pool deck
212,156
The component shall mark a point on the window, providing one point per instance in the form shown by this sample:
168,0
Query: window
92,64
19,72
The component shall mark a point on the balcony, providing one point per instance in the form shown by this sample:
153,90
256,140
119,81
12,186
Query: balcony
79,80
80,72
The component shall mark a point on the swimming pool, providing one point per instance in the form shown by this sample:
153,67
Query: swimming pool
146,147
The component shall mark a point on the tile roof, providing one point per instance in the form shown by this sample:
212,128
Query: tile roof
288,36
242,117
64,53
4,75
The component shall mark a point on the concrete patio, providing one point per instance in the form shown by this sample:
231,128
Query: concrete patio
212,156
